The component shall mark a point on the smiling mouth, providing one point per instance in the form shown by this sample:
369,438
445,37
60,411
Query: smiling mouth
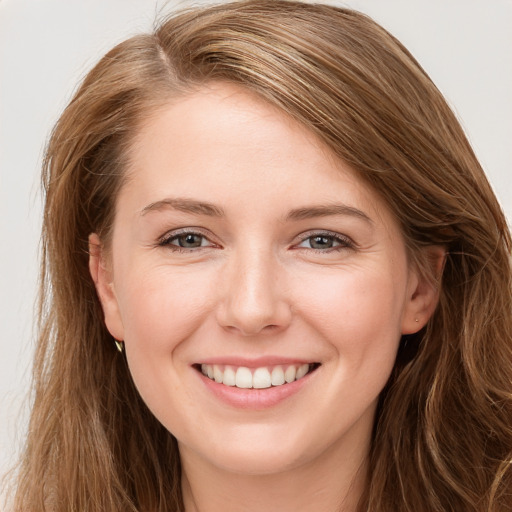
256,378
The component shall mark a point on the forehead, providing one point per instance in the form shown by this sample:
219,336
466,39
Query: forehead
226,144
224,117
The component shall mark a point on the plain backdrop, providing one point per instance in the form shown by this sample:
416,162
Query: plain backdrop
46,47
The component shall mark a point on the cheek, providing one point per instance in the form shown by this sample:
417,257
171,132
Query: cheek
159,308
353,300
358,313
357,316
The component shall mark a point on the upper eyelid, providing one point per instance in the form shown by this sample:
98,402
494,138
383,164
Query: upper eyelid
317,232
185,231
320,232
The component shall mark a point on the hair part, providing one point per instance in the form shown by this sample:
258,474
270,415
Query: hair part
443,434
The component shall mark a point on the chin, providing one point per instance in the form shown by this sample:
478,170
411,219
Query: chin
257,463
257,451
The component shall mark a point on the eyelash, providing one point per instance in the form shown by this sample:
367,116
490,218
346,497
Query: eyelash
343,241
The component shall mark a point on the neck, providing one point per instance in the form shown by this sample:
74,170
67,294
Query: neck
333,482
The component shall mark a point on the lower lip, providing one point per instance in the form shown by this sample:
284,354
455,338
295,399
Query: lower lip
254,398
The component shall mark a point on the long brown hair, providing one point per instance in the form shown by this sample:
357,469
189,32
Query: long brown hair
443,433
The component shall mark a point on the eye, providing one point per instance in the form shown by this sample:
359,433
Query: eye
189,241
186,240
326,242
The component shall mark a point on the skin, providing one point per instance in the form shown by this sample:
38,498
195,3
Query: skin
256,286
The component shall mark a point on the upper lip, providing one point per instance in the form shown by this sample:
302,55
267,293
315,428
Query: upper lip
257,362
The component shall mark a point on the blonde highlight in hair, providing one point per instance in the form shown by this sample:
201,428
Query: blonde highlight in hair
443,433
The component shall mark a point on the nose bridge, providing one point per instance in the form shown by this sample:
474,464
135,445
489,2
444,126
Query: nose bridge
254,294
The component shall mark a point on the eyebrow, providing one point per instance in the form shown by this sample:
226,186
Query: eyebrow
185,205
211,210
311,212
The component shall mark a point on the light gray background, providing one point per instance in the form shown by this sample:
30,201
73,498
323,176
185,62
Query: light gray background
46,46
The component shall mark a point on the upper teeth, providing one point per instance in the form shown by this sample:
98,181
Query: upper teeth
258,378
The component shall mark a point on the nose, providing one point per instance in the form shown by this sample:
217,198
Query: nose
253,295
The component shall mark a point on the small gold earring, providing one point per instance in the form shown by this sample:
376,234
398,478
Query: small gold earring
416,320
119,345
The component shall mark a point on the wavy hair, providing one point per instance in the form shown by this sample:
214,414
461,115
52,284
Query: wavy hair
443,432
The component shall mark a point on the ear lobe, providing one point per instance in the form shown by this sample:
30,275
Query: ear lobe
423,294
102,276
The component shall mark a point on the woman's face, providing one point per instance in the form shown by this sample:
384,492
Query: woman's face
242,249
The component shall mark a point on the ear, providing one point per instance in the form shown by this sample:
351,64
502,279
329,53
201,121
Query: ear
101,274
423,290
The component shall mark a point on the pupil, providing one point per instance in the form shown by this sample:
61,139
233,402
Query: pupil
190,241
321,242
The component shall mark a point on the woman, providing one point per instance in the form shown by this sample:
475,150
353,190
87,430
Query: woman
272,211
